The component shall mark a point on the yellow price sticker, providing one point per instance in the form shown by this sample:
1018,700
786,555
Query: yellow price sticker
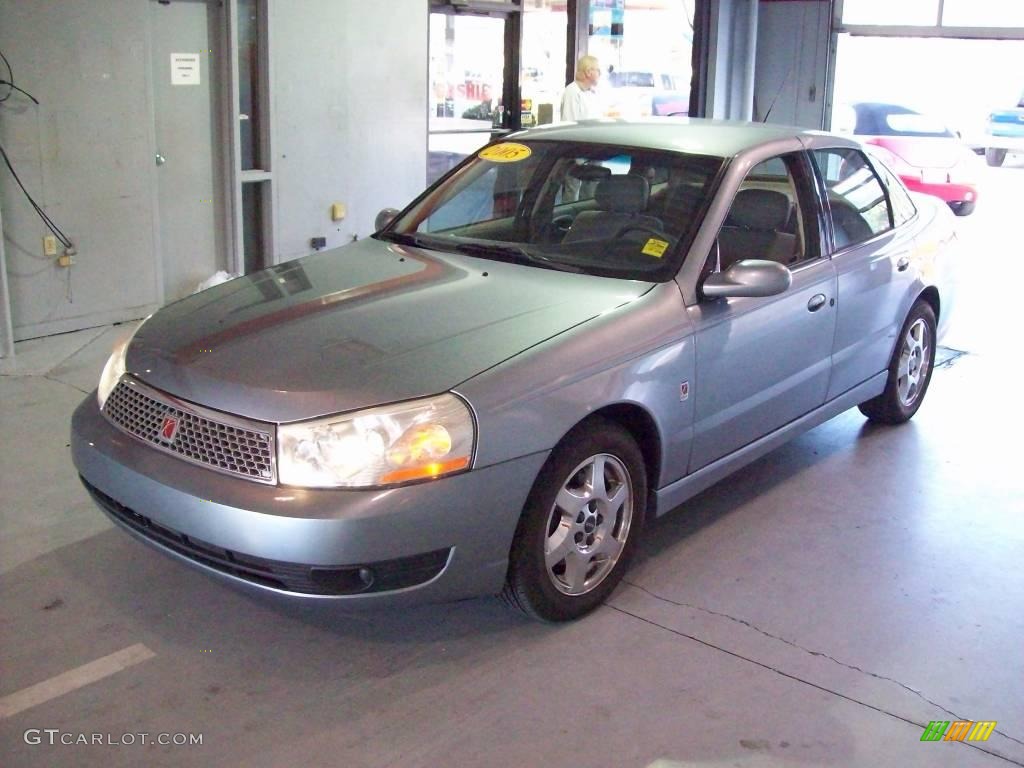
506,152
655,248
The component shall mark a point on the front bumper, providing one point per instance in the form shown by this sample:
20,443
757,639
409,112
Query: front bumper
442,540
1009,136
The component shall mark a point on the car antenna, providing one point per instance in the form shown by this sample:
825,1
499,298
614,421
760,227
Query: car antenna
778,93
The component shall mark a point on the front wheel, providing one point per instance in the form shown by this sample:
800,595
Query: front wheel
994,156
910,370
580,525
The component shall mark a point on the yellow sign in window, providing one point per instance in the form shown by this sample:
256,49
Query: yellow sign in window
506,152
655,248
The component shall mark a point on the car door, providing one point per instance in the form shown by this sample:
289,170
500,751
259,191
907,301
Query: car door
871,257
763,362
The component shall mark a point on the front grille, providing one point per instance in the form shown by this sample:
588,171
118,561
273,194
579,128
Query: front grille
219,441
380,576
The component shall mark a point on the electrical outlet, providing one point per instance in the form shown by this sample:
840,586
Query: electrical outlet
66,260
49,245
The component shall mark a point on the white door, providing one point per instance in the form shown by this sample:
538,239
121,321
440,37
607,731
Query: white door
189,181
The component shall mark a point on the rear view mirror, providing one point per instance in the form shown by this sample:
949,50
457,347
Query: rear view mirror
385,217
750,277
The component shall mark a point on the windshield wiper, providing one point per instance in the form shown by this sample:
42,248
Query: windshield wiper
405,239
515,253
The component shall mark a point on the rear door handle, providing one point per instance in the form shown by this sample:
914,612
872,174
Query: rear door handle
816,302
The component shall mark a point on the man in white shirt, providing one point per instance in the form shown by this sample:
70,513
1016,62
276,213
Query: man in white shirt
580,100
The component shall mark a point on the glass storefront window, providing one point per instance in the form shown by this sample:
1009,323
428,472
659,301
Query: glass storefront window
982,13
252,226
902,13
542,67
466,71
248,83
644,49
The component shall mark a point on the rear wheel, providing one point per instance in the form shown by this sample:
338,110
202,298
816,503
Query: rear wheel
580,525
995,157
910,370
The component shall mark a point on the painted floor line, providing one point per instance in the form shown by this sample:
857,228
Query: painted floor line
73,679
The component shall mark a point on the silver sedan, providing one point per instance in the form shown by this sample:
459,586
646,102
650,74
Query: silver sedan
577,329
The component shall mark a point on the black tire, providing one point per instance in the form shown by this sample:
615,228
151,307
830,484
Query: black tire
995,157
910,370
599,536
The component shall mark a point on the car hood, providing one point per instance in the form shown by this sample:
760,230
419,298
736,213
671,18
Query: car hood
364,325
924,152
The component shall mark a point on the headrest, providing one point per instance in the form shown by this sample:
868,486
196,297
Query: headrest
761,209
589,172
622,194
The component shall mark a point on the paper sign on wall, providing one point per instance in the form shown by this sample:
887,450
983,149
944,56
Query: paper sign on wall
184,69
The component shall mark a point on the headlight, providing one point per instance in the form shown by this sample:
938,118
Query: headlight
114,369
417,440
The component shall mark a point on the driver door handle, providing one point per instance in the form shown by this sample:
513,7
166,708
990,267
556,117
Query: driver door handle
816,302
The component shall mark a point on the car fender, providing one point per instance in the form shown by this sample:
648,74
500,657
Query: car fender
640,355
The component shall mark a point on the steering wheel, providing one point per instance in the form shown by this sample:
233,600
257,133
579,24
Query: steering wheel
640,228
562,224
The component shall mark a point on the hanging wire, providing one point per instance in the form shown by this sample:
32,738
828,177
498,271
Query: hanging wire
50,224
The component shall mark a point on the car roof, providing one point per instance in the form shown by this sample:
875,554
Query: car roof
724,138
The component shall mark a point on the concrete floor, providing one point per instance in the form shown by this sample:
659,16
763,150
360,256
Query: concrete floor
817,610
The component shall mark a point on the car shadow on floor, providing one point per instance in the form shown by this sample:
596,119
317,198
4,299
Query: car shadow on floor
847,433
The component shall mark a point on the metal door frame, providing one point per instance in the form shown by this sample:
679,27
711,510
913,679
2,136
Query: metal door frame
224,63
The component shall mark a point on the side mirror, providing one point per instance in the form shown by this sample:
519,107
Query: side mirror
384,218
750,277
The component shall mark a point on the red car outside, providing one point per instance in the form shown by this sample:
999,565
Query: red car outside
926,155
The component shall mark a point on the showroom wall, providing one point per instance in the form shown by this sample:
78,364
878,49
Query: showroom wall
349,94
792,62
732,43
349,125
86,155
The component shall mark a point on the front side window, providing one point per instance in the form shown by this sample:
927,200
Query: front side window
858,205
601,209
766,220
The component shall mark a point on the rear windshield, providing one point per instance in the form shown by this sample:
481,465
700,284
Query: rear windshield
915,125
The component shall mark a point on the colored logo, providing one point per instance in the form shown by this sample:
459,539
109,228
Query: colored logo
960,730
169,429
506,152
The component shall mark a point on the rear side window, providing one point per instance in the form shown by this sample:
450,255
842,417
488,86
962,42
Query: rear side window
903,208
858,205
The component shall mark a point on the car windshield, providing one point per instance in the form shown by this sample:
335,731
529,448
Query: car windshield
601,209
